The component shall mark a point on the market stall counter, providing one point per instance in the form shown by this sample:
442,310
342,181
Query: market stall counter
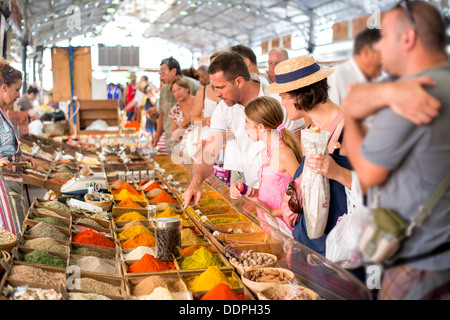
114,251
311,270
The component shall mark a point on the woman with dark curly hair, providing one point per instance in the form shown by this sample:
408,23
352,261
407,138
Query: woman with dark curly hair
302,85
11,185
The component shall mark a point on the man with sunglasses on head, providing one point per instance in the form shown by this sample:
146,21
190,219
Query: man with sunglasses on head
405,154
169,71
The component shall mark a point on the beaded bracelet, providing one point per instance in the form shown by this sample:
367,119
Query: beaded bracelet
247,191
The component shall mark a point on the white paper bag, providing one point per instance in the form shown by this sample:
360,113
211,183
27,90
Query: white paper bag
315,187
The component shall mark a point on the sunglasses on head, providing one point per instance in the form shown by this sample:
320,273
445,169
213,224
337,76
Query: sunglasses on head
403,4
294,202
9,71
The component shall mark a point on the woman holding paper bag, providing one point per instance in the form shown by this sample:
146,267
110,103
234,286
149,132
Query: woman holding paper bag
316,197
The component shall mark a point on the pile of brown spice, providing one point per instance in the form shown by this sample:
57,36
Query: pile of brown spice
43,229
99,287
36,275
46,244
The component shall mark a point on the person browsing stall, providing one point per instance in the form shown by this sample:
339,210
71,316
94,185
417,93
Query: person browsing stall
302,85
25,102
281,158
169,70
233,84
404,156
12,212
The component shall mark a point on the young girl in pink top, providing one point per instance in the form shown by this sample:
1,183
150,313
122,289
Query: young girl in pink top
264,118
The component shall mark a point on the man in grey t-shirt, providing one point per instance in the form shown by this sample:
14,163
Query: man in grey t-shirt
406,152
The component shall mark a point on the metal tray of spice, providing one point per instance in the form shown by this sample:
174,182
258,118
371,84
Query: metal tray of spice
42,229
200,262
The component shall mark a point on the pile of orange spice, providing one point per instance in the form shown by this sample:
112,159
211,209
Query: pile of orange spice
164,197
222,292
128,187
138,240
149,263
128,203
152,186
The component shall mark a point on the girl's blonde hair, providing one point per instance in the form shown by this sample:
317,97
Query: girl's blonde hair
268,112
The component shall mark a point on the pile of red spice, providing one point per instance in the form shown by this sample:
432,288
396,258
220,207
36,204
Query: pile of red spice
91,237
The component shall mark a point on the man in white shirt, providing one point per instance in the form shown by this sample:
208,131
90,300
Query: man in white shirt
363,67
276,55
232,161
234,85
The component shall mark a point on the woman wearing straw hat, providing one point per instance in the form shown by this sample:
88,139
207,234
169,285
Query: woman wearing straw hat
302,85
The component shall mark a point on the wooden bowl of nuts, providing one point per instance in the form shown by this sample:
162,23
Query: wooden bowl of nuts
248,260
8,240
287,292
258,279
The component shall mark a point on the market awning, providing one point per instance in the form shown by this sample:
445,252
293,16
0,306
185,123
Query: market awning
200,25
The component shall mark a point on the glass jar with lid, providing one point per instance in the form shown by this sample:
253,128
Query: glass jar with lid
168,238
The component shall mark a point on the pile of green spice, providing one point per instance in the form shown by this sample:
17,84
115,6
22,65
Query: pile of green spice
48,212
51,220
43,257
90,222
55,205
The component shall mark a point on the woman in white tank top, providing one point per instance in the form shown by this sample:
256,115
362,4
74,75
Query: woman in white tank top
204,105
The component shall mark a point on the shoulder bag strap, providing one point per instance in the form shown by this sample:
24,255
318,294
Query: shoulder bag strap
331,129
426,209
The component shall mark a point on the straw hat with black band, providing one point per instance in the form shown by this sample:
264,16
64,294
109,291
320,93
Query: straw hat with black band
297,73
